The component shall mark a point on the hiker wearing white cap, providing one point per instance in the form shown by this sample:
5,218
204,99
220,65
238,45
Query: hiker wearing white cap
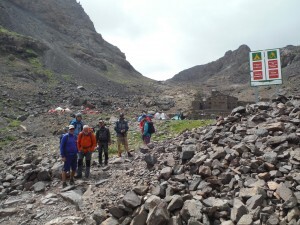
68,152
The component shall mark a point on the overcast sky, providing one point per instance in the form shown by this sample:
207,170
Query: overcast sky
160,38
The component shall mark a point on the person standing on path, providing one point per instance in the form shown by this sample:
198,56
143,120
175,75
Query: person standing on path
121,129
86,144
103,139
68,152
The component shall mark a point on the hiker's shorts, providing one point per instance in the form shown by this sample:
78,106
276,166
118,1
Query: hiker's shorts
122,140
70,163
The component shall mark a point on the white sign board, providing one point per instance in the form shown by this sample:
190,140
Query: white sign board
265,67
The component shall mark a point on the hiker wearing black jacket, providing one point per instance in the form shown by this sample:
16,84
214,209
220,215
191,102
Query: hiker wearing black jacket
121,129
103,139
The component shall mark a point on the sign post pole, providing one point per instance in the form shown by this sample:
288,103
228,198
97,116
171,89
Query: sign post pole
256,94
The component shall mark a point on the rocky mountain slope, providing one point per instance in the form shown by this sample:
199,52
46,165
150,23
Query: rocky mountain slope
72,46
230,74
48,50
51,55
242,170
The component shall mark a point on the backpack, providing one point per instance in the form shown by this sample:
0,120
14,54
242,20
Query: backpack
61,137
151,128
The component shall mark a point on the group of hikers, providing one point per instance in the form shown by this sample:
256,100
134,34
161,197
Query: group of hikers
80,141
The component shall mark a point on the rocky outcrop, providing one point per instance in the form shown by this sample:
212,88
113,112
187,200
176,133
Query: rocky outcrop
242,170
61,40
235,176
232,65
233,68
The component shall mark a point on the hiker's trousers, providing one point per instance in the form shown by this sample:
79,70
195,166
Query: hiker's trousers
103,147
87,156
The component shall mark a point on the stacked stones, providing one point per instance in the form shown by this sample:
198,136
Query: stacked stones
243,170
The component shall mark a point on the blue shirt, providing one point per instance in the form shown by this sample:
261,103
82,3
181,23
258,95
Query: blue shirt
68,145
78,126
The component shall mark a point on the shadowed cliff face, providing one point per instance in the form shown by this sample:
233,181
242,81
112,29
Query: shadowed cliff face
48,49
73,45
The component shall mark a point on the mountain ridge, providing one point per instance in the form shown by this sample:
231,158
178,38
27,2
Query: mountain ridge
74,47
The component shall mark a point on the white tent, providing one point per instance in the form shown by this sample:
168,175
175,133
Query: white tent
160,116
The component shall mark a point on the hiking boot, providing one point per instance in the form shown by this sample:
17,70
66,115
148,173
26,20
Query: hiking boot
79,172
100,165
78,176
105,163
64,185
87,172
72,182
129,154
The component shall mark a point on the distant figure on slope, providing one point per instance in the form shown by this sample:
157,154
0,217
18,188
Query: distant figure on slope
68,152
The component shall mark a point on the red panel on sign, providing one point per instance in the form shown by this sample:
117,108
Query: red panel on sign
273,64
257,65
273,74
257,75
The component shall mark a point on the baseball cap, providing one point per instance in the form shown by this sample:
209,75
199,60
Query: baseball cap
71,127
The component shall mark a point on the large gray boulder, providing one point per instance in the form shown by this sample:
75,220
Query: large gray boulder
159,215
132,200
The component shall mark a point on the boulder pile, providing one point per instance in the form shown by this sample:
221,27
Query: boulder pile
243,170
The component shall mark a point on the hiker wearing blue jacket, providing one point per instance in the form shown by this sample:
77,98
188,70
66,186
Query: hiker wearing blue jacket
68,152
146,134
77,123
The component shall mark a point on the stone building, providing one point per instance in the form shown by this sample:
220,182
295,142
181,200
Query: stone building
218,101
216,104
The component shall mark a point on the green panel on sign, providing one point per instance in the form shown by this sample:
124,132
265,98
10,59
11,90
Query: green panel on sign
272,54
256,56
